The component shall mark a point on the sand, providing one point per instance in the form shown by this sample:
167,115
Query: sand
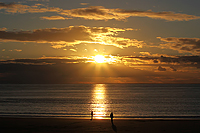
66,125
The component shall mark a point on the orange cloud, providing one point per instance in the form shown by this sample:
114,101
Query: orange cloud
74,50
169,16
18,8
18,50
101,13
84,4
92,12
73,35
54,18
3,29
97,12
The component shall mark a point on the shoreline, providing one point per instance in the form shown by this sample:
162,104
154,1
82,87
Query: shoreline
58,125
107,117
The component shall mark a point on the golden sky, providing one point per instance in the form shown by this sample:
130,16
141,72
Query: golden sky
107,41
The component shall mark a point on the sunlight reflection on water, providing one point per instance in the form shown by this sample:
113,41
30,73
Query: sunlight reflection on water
78,100
99,103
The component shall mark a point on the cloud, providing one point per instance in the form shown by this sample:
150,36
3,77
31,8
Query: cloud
84,4
54,18
145,53
155,61
169,16
10,5
174,59
73,35
189,45
39,0
173,69
162,63
69,34
61,70
92,12
18,50
3,29
97,12
45,61
161,68
19,8
58,71
74,50
101,13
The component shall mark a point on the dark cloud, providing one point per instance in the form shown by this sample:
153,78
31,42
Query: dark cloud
180,59
176,61
4,5
74,70
191,45
161,68
48,35
155,61
173,69
44,61
58,71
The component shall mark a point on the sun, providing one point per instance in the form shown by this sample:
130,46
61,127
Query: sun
99,59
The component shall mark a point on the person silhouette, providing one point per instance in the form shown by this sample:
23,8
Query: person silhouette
113,126
111,116
91,115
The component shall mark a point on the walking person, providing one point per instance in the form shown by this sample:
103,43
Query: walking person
91,115
113,126
111,117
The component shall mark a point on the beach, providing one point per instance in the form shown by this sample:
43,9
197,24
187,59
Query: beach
137,108
65,125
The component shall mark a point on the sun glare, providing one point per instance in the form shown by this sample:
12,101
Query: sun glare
99,59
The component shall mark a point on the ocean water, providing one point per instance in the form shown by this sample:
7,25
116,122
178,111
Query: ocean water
78,100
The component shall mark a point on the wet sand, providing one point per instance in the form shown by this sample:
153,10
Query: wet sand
66,125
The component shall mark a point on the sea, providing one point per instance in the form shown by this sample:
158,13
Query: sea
79,100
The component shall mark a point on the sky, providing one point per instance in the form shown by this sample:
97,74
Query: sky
99,41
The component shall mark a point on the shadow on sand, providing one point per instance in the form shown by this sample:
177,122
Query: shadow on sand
114,127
